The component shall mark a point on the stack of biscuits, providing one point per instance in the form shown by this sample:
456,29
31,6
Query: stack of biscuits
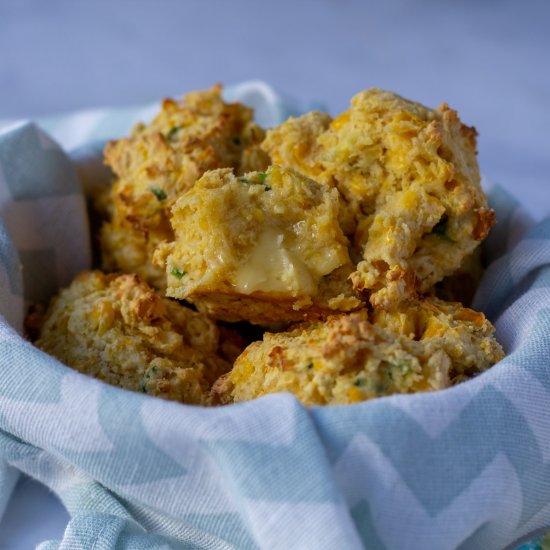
326,257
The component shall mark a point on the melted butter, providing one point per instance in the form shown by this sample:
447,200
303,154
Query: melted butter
274,267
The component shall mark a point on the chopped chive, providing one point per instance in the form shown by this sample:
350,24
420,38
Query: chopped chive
237,140
360,382
159,193
143,387
402,365
178,273
260,177
171,134
309,366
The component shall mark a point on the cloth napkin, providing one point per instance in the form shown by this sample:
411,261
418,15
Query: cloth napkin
463,468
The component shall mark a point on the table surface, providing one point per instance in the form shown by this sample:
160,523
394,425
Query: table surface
489,60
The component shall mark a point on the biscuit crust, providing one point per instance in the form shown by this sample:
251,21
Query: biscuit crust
265,248
118,329
160,161
410,179
359,356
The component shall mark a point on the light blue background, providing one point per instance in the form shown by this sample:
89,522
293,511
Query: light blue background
488,59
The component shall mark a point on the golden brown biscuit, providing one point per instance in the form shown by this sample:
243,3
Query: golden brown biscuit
411,182
118,329
164,159
352,357
265,248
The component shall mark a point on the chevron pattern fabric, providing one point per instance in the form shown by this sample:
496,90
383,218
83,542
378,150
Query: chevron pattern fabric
465,468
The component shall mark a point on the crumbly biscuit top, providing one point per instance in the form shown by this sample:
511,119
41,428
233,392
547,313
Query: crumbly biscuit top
410,179
270,235
162,160
354,357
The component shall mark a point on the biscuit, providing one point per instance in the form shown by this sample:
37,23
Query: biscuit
358,356
118,329
160,161
410,180
265,247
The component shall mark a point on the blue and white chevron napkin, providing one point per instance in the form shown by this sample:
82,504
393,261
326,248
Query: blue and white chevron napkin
465,468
